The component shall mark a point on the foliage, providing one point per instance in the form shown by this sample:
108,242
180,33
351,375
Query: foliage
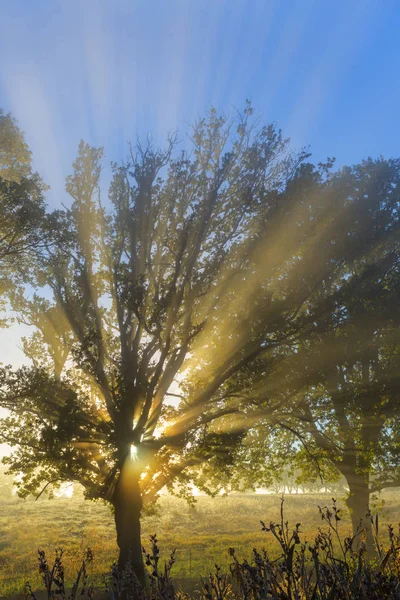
22,211
336,384
137,284
127,292
15,156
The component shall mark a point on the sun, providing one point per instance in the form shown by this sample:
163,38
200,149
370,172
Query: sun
134,452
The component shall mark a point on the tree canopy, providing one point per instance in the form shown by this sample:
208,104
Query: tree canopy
22,209
338,384
176,318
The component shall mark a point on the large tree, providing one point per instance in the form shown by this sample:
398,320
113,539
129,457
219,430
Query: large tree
201,270
339,381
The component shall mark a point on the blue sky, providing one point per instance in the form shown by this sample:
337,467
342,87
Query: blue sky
326,72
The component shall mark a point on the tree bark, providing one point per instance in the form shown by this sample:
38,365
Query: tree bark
358,504
127,503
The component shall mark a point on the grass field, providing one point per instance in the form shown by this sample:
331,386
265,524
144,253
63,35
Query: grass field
201,535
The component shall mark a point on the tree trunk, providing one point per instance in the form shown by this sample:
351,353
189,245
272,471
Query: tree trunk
127,503
358,504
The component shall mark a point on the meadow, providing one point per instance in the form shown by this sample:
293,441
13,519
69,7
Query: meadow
201,534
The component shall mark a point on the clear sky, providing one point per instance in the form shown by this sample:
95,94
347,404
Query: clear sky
327,72
103,70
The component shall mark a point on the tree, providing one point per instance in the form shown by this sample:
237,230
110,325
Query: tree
341,378
22,223
175,295
15,156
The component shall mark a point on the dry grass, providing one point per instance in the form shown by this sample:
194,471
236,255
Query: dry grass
202,535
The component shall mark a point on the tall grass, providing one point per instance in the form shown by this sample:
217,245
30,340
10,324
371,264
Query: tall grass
331,566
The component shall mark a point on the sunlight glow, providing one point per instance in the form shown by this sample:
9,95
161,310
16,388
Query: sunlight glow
66,491
134,452
159,430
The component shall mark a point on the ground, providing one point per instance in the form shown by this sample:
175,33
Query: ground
201,534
